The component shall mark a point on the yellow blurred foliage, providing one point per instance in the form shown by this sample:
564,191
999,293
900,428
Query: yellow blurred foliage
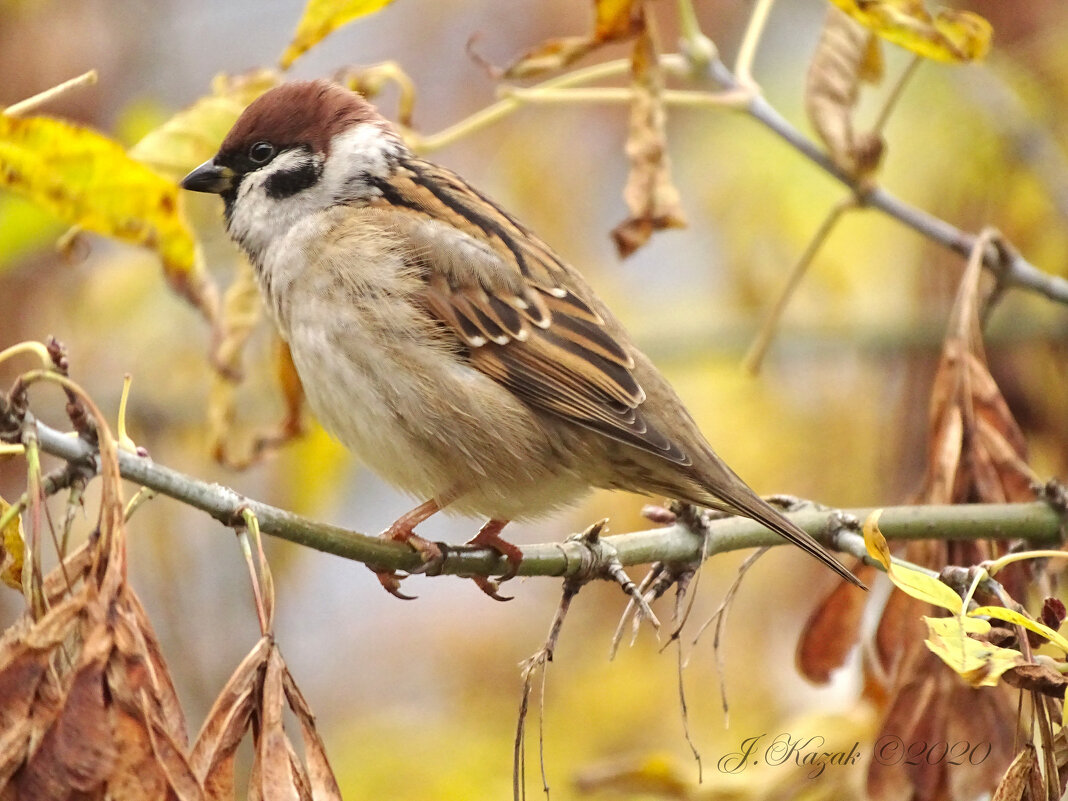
88,180
321,18
948,35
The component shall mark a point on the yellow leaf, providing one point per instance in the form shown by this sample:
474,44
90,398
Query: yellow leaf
1012,616
194,134
925,588
912,582
874,541
950,36
616,19
847,54
978,663
88,180
12,549
322,17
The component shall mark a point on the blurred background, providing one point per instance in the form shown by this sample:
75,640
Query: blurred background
419,700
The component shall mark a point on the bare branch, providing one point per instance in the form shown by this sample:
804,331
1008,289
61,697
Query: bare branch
1036,522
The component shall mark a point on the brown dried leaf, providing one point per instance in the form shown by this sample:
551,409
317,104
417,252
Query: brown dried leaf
281,776
1019,778
324,785
977,451
64,577
171,758
991,712
137,774
212,756
1053,613
846,55
944,455
1037,678
832,629
900,627
14,742
20,676
164,696
21,672
651,197
887,780
614,21
78,752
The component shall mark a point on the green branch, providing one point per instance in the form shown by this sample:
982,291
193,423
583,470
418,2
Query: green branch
1036,522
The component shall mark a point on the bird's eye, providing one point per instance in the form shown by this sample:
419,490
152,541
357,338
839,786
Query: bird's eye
261,152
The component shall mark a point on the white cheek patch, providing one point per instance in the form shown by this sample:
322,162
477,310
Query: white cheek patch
357,157
258,218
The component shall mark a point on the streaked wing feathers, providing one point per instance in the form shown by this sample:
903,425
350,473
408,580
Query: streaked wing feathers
507,297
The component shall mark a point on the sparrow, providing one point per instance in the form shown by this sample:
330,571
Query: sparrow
441,340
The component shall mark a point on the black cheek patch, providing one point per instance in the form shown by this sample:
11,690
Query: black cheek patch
286,183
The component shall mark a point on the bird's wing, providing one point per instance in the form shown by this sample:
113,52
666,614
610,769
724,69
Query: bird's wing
515,306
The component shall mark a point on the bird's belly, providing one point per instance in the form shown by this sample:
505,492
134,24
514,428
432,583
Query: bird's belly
432,425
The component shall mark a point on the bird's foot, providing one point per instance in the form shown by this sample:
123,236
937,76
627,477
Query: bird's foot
403,530
489,536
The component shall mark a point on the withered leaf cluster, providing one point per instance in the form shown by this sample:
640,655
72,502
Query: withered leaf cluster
976,453
88,709
652,200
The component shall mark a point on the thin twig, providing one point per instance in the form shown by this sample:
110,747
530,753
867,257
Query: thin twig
895,95
1037,522
42,98
736,94
1017,272
754,30
754,357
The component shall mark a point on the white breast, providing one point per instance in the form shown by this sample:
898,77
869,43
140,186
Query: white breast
382,379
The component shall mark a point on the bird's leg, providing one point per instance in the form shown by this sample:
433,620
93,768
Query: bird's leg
403,530
489,536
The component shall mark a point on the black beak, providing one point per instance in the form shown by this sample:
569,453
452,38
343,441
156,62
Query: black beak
209,177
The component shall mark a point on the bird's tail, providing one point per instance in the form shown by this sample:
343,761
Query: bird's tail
734,495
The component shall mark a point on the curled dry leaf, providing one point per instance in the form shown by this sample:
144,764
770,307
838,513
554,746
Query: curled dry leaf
651,197
1023,779
89,181
977,451
96,711
87,707
930,704
254,697
320,19
847,55
614,21
1038,678
832,630
947,35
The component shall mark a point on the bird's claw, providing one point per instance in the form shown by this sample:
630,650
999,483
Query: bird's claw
489,537
431,553
391,581
492,586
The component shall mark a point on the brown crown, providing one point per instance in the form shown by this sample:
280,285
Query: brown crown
299,113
